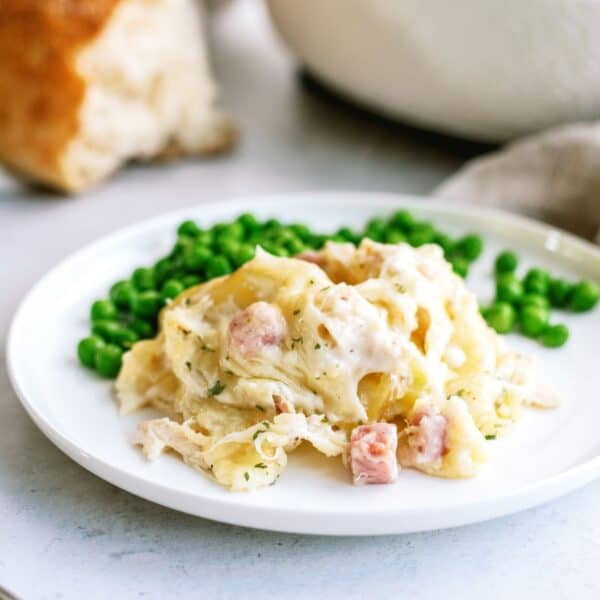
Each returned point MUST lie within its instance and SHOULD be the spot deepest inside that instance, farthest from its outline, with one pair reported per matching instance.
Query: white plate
(547, 454)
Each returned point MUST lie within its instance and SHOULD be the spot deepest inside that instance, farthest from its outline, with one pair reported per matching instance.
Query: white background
(66, 534)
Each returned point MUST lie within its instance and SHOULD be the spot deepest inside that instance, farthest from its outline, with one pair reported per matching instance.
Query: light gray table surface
(66, 534)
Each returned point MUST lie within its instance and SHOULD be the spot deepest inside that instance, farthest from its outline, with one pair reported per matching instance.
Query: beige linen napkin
(553, 176)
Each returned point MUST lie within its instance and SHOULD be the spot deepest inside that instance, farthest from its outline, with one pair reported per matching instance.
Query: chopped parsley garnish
(325, 288)
(257, 433)
(317, 346)
(296, 312)
(261, 408)
(216, 389)
(260, 465)
(246, 476)
(188, 364)
(311, 282)
(203, 345)
(490, 437)
(324, 419)
(400, 288)
(266, 424)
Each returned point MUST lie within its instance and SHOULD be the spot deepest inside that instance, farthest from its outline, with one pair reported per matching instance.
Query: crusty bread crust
(72, 107)
(40, 90)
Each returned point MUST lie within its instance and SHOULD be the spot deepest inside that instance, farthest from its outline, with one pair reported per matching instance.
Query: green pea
(182, 244)
(171, 289)
(347, 234)
(404, 220)
(295, 246)
(249, 223)
(105, 329)
(234, 230)
(143, 279)
(338, 239)
(376, 223)
(143, 328)
(218, 228)
(470, 246)
(506, 262)
(228, 246)
(394, 236)
(537, 281)
(280, 251)
(559, 292)
(196, 257)
(501, 316)
(302, 231)
(445, 241)
(244, 253)
(122, 294)
(555, 336)
(253, 240)
(124, 337)
(421, 234)
(283, 236)
(147, 304)
(584, 296)
(217, 266)
(87, 349)
(178, 274)
(204, 238)
(460, 266)
(534, 320)
(268, 246)
(108, 360)
(509, 288)
(318, 241)
(375, 229)
(162, 269)
(191, 280)
(103, 309)
(534, 300)
(188, 228)
(271, 224)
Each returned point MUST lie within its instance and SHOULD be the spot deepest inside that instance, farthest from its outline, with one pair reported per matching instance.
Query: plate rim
(308, 521)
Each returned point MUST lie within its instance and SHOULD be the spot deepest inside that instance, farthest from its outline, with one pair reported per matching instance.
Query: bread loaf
(87, 85)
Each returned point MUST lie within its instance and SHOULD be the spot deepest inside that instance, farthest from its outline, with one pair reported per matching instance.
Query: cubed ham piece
(372, 454)
(282, 405)
(426, 437)
(312, 256)
(257, 327)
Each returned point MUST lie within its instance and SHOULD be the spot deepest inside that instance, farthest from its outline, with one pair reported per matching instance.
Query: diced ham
(426, 437)
(282, 405)
(312, 256)
(256, 327)
(372, 454)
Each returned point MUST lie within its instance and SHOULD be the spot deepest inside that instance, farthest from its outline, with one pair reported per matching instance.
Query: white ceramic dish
(547, 454)
(492, 71)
